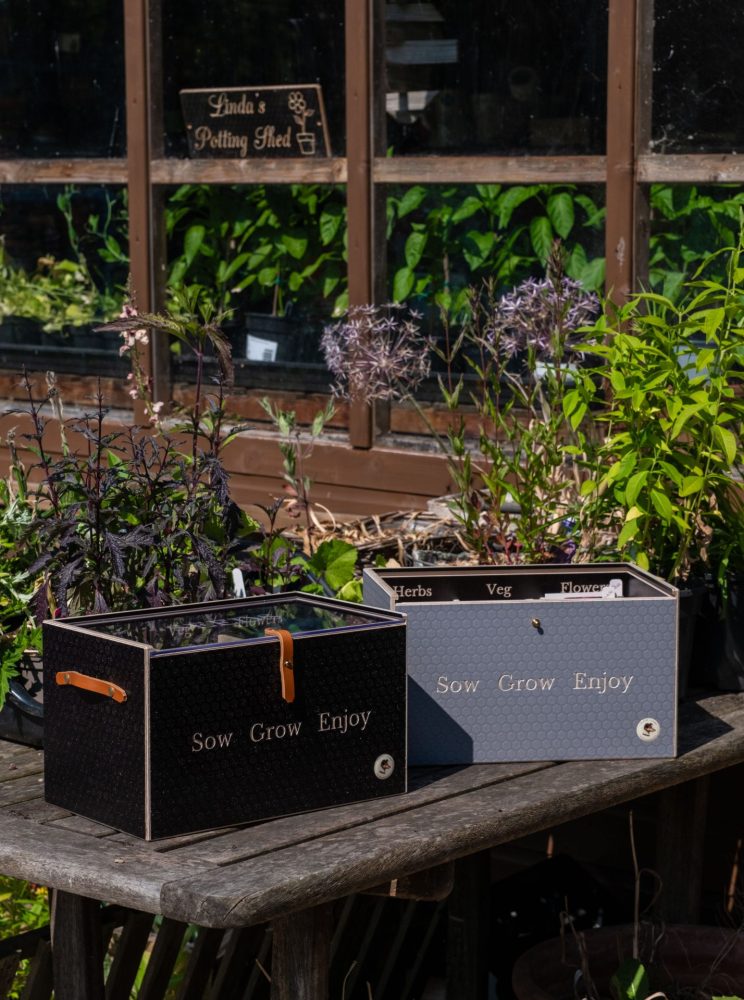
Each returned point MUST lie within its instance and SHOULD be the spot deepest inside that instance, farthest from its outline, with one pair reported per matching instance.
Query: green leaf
(296, 245)
(592, 277)
(541, 237)
(329, 225)
(674, 474)
(267, 276)
(672, 283)
(570, 402)
(641, 559)
(411, 200)
(713, 318)
(415, 245)
(235, 265)
(630, 982)
(351, 591)
(663, 505)
(682, 417)
(484, 242)
(192, 241)
(402, 284)
(468, 207)
(561, 213)
(635, 485)
(335, 561)
(511, 199)
(690, 485)
(578, 415)
(727, 441)
(630, 530)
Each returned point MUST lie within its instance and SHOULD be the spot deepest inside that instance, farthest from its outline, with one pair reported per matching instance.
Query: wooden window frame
(626, 170)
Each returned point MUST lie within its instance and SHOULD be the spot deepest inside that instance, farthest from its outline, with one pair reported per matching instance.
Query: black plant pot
(19, 330)
(268, 338)
(22, 715)
(693, 597)
(719, 643)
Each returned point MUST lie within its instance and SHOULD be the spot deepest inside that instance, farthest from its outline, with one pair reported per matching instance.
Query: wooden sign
(240, 123)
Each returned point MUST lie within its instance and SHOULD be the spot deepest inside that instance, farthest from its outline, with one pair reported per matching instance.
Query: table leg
(468, 929)
(680, 850)
(77, 953)
(301, 955)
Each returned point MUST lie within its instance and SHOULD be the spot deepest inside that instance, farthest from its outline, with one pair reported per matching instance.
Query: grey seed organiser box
(535, 662)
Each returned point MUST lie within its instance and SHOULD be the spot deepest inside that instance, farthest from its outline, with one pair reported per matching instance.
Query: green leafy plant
(668, 466)
(514, 361)
(263, 247)
(23, 907)
(296, 447)
(334, 563)
(686, 221)
(445, 239)
(517, 491)
(19, 632)
(77, 290)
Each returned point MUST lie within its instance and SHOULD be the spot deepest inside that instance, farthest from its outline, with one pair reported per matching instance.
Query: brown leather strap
(286, 661)
(87, 683)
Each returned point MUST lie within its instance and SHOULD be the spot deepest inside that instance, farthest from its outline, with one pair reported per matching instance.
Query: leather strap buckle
(286, 661)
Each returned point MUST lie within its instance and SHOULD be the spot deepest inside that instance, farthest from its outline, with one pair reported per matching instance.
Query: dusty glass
(253, 43)
(697, 89)
(63, 270)
(459, 76)
(273, 257)
(62, 73)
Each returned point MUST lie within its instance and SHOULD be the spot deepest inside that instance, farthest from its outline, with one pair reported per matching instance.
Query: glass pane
(443, 238)
(275, 257)
(62, 74)
(698, 88)
(253, 43)
(63, 268)
(173, 630)
(499, 77)
(688, 223)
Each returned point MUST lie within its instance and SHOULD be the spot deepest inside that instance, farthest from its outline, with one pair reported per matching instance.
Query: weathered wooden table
(289, 870)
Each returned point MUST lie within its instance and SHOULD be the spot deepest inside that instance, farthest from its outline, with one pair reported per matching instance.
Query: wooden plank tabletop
(232, 878)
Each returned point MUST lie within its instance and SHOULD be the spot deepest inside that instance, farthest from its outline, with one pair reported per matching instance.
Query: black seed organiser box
(174, 720)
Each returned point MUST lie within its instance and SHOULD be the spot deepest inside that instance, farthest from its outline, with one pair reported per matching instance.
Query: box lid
(237, 621)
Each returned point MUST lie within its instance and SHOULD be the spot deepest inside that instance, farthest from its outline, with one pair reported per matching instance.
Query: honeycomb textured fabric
(224, 748)
(590, 674)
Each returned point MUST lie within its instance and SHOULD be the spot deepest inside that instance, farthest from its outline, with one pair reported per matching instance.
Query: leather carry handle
(286, 661)
(72, 678)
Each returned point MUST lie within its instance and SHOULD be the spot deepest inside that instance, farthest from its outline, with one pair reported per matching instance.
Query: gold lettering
(205, 138)
(267, 137)
(222, 105)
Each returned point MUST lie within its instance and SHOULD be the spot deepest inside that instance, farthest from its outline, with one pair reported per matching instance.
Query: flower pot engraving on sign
(244, 122)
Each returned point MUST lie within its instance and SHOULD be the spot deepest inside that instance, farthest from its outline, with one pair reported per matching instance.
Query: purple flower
(541, 315)
(376, 352)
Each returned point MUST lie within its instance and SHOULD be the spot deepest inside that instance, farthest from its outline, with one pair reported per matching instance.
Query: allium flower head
(376, 352)
(542, 315)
